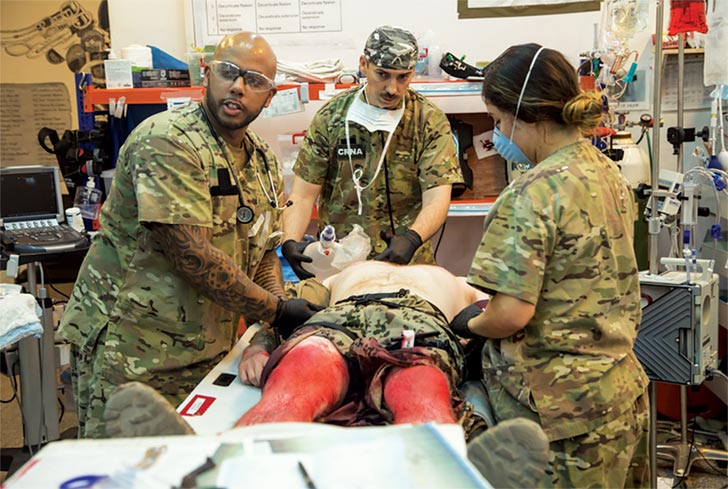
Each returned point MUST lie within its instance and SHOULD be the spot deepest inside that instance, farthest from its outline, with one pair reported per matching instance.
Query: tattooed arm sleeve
(270, 274)
(265, 339)
(213, 272)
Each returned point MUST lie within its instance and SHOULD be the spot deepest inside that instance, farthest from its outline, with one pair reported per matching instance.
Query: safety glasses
(230, 72)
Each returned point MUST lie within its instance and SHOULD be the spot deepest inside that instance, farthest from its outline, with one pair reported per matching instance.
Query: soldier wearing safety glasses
(187, 242)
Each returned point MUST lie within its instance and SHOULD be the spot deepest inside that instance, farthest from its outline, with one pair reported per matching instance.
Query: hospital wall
(169, 25)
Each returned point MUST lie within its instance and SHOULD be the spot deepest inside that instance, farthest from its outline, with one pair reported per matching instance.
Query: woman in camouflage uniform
(557, 255)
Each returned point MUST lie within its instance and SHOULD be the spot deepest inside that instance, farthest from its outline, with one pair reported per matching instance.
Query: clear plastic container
(635, 164)
(289, 145)
(196, 62)
(322, 252)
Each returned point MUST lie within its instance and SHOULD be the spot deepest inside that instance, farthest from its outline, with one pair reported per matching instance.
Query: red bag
(687, 16)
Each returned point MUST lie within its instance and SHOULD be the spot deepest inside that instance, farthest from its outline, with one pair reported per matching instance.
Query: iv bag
(687, 16)
(715, 66)
(626, 17)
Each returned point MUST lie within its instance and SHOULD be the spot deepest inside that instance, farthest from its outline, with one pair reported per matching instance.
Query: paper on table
(263, 471)
(483, 144)
(366, 465)
(285, 102)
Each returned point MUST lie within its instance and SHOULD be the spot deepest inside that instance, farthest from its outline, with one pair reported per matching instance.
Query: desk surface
(47, 256)
(427, 456)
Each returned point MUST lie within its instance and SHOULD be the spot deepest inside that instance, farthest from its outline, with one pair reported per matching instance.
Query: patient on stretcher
(347, 364)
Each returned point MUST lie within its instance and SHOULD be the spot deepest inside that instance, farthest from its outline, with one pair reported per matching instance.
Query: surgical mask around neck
(373, 118)
(509, 150)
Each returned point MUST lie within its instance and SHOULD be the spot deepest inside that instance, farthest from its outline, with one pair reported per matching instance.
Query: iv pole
(653, 225)
(681, 452)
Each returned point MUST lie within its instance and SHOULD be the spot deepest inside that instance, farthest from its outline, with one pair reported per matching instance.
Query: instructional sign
(25, 108)
(223, 17)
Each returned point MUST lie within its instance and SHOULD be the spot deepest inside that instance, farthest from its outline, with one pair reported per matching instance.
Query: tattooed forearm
(270, 275)
(265, 339)
(213, 272)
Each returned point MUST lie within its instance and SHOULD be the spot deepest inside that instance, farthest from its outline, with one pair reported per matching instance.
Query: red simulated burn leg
(418, 394)
(309, 381)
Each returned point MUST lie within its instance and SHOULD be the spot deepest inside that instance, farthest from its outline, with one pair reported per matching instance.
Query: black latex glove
(292, 251)
(292, 313)
(459, 324)
(400, 247)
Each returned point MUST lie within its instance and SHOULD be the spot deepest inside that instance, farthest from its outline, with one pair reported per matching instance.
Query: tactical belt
(362, 299)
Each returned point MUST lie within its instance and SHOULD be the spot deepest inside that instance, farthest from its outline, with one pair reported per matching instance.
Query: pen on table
(306, 477)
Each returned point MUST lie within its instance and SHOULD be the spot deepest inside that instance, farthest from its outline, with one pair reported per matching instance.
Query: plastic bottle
(434, 72)
(423, 60)
(88, 200)
(322, 252)
(634, 164)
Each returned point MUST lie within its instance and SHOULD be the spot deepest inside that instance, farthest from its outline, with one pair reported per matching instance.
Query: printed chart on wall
(499, 8)
(25, 108)
(216, 18)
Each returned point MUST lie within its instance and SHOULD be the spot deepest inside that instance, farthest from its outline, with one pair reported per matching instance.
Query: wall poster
(43, 43)
(471, 9)
(215, 18)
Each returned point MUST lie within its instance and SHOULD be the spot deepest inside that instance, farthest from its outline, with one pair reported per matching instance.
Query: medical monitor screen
(28, 193)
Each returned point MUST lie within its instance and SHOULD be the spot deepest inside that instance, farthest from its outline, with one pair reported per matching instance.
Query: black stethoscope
(244, 213)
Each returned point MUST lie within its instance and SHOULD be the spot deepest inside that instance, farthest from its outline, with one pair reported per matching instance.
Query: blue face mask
(509, 150)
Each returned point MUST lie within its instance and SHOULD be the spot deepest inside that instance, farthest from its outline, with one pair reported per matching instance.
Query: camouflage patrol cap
(393, 48)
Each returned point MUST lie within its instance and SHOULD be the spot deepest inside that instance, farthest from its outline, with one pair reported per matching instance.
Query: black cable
(389, 201)
(717, 470)
(20, 407)
(6, 401)
(59, 292)
(63, 409)
(12, 379)
(587, 61)
(712, 466)
(40, 378)
(439, 238)
(682, 480)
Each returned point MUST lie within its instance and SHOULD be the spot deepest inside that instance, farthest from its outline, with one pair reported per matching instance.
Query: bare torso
(434, 284)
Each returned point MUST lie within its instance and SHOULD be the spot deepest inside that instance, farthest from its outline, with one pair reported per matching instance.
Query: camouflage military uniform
(420, 156)
(560, 237)
(367, 329)
(131, 316)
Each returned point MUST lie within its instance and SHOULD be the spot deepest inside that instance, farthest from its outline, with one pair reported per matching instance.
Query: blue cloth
(19, 315)
(160, 60)
(288, 274)
(20, 332)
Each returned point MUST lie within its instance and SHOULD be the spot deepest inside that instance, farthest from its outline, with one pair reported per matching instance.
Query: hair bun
(583, 111)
